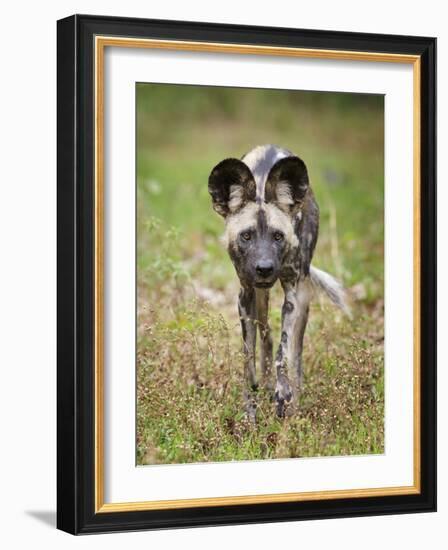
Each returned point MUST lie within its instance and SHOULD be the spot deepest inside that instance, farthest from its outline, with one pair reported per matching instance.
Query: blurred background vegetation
(189, 369)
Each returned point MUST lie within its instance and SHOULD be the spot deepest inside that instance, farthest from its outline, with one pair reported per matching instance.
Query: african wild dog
(272, 222)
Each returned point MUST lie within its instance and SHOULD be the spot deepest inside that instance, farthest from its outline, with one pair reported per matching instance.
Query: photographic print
(260, 274)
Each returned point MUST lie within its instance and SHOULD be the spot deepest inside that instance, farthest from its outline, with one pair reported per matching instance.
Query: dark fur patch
(307, 229)
(279, 356)
(268, 343)
(284, 337)
(262, 223)
(237, 259)
(288, 307)
(234, 252)
(245, 305)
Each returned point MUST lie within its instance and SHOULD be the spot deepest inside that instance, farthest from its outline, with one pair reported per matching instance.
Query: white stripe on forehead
(260, 161)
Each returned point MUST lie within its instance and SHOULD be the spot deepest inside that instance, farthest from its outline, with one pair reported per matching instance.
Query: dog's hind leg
(262, 305)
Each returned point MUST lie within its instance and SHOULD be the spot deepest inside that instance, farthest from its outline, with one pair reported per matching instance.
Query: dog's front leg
(289, 356)
(247, 311)
(262, 301)
(286, 354)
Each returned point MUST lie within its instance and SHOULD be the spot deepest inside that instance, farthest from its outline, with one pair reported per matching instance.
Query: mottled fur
(272, 222)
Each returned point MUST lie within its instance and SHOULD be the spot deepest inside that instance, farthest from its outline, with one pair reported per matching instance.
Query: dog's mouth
(264, 284)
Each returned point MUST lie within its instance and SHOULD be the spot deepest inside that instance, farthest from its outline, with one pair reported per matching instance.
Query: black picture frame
(76, 271)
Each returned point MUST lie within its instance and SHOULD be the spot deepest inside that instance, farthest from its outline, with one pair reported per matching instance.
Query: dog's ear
(287, 184)
(231, 185)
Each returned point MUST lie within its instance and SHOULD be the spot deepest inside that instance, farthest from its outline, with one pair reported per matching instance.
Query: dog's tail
(326, 283)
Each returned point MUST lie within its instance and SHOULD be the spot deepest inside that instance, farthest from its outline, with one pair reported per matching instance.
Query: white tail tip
(335, 291)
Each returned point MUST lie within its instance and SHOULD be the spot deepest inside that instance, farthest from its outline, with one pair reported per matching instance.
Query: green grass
(189, 366)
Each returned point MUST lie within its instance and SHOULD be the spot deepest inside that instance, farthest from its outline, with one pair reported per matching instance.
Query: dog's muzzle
(265, 277)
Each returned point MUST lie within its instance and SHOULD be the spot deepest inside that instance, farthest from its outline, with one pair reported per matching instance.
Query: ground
(189, 367)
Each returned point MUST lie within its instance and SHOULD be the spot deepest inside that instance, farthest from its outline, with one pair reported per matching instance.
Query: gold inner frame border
(101, 42)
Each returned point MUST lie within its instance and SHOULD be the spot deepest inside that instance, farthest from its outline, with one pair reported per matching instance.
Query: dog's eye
(246, 236)
(278, 236)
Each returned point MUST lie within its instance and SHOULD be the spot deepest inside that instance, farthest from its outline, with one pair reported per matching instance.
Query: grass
(189, 367)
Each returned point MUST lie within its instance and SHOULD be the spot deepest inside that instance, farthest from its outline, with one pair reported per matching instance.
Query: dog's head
(262, 214)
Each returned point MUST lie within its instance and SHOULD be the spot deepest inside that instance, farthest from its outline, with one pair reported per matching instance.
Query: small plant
(160, 259)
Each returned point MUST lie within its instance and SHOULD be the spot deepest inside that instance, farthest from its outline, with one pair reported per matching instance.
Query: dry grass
(190, 386)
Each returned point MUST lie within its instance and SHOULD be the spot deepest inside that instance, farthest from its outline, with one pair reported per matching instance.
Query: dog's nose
(264, 268)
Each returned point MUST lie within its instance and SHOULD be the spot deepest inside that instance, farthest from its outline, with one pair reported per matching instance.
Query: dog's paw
(250, 407)
(283, 397)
